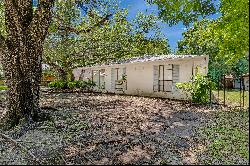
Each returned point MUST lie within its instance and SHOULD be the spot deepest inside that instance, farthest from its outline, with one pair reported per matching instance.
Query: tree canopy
(100, 34)
(225, 39)
(195, 41)
(185, 11)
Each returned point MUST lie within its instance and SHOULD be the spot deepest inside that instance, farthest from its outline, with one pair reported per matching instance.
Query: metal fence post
(224, 89)
(240, 90)
(243, 91)
(210, 91)
(218, 89)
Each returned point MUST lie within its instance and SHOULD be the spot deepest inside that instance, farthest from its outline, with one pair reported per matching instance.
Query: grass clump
(3, 87)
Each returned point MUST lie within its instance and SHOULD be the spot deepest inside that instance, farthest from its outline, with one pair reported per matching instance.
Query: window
(165, 78)
(118, 79)
(98, 76)
(119, 73)
(102, 79)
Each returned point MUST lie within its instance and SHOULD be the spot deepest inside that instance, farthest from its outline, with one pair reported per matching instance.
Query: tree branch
(71, 29)
(13, 24)
(25, 11)
(41, 20)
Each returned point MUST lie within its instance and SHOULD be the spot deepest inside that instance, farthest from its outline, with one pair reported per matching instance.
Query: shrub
(87, 85)
(71, 85)
(198, 87)
(58, 84)
(80, 84)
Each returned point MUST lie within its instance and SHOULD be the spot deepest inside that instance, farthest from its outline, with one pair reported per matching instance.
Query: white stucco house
(145, 76)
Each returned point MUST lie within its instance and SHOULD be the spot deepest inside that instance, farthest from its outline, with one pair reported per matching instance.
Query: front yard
(87, 128)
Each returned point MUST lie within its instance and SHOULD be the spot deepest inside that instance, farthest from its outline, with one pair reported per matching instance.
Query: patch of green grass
(3, 87)
(227, 138)
(232, 97)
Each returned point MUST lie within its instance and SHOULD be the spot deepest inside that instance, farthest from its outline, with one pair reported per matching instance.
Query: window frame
(163, 79)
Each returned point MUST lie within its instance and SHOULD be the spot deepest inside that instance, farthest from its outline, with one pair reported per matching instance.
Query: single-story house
(154, 76)
(245, 81)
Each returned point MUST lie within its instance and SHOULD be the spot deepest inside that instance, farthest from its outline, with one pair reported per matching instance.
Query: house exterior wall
(140, 76)
(139, 79)
(246, 83)
(236, 84)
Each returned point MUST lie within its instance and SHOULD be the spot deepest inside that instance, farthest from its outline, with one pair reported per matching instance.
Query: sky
(173, 33)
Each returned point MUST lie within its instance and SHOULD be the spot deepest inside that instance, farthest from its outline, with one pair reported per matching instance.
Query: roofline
(129, 63)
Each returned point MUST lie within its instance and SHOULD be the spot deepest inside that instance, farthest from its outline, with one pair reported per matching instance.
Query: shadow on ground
(111, 129)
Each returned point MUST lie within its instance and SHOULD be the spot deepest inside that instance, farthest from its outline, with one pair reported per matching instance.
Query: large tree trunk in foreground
(23, 82)
(21, 53)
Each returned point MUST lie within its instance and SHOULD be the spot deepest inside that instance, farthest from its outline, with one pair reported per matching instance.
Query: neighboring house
(145, 76)
(246, 81)
(245, 78)
(229, 81)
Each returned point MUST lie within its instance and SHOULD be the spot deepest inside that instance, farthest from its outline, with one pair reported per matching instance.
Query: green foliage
(58, 84)
(232, 29)
(3, 87)
(124, 76)
(198, 88)
(225, 39)
(173, 11)
(80, 84)
(227, 137)
(72, 85)
(86, 85)
(102, 34)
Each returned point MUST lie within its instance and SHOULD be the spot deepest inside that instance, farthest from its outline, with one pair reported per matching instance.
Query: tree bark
(21, 53)
(23, 81)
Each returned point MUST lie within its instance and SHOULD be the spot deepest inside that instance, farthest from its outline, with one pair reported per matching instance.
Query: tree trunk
(23, 81)
(21, 52)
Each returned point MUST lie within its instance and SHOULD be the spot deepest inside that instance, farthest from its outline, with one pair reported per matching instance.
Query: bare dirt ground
(87, 128)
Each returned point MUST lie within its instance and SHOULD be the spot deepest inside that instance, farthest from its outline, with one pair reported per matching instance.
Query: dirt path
(110, 129)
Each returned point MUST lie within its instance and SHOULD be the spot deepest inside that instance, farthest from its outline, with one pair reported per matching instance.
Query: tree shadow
(120, 129)
(129, 130)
